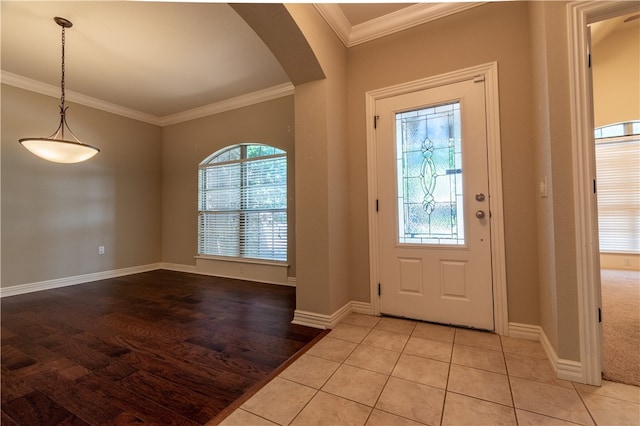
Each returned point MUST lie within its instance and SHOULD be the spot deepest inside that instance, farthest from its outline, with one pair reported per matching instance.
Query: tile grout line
(258, 415)
(336, 370)
(401, 352)
(584, 403)
(305, 405)
(506, 369)
(446, 385)
(319, 389)
(373, 407)
(343, 363)
(389, 378)
(383, 386)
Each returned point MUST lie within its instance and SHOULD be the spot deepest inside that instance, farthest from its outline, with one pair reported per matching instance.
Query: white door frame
(580, 15)
(489, 72)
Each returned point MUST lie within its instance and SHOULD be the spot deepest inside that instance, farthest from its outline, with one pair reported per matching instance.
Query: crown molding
(336, 19)
(405, 18)
(400, 20)
(53, 91)
(215, 108)
(268, 94)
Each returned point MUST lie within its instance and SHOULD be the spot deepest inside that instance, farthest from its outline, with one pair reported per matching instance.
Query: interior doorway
(615, 59)
(580, 15)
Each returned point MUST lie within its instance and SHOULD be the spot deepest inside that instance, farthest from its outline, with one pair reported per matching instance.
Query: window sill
(266, 271)
(243, 260)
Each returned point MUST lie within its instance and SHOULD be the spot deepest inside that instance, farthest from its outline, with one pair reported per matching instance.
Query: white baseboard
(311, 319)
(78, 279)
(341, 314)
(322, 321)
(524, 331)
(86, 278)
(570, 370)
(362, 308)
(565, 369)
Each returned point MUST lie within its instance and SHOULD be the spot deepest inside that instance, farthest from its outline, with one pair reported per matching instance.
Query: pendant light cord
(60, 131)
(63, 110)
(62, 81)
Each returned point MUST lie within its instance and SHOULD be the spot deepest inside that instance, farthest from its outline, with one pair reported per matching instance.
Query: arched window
(242, 203)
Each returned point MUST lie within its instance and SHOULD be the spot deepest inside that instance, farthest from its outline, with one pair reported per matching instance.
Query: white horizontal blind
(618, 191)
(243, 204)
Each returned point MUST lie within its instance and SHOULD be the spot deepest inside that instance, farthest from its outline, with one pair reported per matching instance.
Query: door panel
(434, 215)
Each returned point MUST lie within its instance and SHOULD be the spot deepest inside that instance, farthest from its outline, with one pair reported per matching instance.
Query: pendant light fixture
(55, 147)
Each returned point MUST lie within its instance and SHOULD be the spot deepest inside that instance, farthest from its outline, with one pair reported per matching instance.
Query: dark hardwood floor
(161, 347)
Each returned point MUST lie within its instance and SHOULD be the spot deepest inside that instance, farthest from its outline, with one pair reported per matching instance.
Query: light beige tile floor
(388, 371)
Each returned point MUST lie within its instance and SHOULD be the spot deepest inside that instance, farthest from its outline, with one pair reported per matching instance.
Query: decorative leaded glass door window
(429, 168)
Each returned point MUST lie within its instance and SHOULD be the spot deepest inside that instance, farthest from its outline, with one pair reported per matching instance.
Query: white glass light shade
(58, 150)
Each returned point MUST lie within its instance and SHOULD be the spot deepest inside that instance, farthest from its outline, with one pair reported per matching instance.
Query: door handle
(480, 214)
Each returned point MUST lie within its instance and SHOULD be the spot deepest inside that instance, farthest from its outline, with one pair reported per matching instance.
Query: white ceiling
(160, 62)
(155, 58)
(602, 29)
(165, 62)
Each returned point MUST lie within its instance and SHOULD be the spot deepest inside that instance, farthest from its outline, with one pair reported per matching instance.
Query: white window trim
(243, 260)
(270, 272)
(207, 163)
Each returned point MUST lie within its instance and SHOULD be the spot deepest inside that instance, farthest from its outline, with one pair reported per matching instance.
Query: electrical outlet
(101, 250)
(627, 261)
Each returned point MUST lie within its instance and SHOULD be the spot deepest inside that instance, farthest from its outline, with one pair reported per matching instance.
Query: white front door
(434, 206)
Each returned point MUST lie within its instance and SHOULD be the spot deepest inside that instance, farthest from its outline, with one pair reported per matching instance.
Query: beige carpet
(621, 325)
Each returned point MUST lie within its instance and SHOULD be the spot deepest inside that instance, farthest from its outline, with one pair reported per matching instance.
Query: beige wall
(322, 177)
(492, 32)
(557, 252)
(544, 205)
(55, 216)
(187, 144)
(625, 261)
(616, 77)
